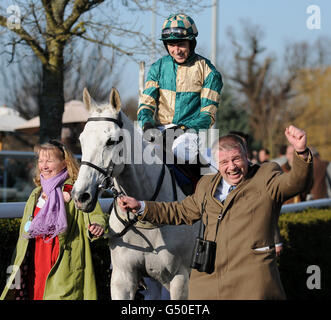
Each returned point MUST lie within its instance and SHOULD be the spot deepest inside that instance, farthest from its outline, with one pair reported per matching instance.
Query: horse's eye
(110, 142)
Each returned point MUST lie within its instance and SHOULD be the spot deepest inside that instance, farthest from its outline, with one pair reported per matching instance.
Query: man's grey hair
(229, 142)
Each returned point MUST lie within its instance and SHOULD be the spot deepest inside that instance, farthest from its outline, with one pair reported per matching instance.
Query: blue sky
(281, 20)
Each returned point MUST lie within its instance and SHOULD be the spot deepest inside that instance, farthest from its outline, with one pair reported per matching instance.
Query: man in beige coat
(245, 265)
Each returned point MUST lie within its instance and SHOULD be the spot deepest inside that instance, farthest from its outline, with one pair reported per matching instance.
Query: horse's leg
(179, 285)
(123, 285)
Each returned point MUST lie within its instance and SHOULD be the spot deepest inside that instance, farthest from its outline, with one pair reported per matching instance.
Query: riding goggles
(174, 33)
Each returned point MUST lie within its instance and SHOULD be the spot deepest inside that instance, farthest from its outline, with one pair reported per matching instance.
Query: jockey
(182, 90)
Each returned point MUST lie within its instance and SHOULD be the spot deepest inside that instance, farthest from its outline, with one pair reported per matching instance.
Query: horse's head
(101, 150)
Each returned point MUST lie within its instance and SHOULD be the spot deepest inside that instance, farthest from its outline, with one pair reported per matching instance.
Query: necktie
(231, 188)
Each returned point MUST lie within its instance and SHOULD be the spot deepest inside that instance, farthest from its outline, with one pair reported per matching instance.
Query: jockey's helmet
(179, 27)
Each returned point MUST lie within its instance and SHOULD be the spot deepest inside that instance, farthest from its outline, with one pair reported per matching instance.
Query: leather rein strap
(130, 222)
(117, 121)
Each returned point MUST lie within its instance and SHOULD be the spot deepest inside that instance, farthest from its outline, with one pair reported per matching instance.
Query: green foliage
(230, 116)
(307, 241)
(9, 230)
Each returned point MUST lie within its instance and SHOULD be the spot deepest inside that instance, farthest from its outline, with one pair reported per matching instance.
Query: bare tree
(130, 108)
(49, 27)
(263, 93)
(94, 71)
(23, 86)
(24, 80)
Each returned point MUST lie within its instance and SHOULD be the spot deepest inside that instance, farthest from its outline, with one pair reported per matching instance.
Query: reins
(130, 222)
(127, 224)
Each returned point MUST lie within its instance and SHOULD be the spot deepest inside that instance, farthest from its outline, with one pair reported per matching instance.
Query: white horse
(162, 252)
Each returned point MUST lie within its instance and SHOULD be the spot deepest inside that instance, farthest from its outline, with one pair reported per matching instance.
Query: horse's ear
(115, 99)
(87, 99)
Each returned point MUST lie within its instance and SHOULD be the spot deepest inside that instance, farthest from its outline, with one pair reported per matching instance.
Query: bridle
(106, 183)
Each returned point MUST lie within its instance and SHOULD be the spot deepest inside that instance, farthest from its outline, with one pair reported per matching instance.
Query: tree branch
(58, 8)
(24, 35)
(80, 7)
(51, 23)
(36, 19)
(109, 45)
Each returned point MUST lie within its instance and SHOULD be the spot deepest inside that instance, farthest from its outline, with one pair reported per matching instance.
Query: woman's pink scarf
(52, 218)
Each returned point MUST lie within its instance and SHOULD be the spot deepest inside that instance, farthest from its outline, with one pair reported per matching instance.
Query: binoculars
(203, 257)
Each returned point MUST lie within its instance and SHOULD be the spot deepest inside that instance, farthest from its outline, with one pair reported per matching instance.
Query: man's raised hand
(297, 138)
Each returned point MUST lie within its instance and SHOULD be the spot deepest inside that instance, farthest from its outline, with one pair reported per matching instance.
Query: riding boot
(193, 171)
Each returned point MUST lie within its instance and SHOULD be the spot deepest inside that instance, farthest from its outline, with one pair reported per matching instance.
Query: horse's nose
(84, 197)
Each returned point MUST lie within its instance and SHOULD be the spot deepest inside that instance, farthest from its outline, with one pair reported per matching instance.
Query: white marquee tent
(74, 111)
(10, 119)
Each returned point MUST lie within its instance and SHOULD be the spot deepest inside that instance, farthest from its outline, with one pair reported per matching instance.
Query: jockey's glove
(151, 133)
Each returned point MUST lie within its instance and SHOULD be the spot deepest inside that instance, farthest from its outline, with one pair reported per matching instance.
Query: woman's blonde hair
(61, 151)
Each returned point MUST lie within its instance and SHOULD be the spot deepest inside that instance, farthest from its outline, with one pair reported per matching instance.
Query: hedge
(306, 241)
(9, 230)
(8, 237)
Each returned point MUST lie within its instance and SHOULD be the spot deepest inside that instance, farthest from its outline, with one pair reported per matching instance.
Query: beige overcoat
(249, 217)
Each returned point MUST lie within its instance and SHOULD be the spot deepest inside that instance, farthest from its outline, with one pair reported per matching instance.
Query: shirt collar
(225, 187)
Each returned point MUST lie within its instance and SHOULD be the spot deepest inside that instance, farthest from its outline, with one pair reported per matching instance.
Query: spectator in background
(281, 158)
(264, 155)
(286, 167)
(254, 157)
(319, 188)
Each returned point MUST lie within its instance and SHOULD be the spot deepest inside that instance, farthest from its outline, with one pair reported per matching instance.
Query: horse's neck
(138, 180)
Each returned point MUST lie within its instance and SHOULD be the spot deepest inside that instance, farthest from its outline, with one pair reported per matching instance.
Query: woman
(53, 259)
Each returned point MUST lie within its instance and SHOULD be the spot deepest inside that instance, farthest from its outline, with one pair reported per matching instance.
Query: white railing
(15, 209)
(300, 206)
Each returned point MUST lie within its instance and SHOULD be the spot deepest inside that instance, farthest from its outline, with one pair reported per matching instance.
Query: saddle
(186, 174)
